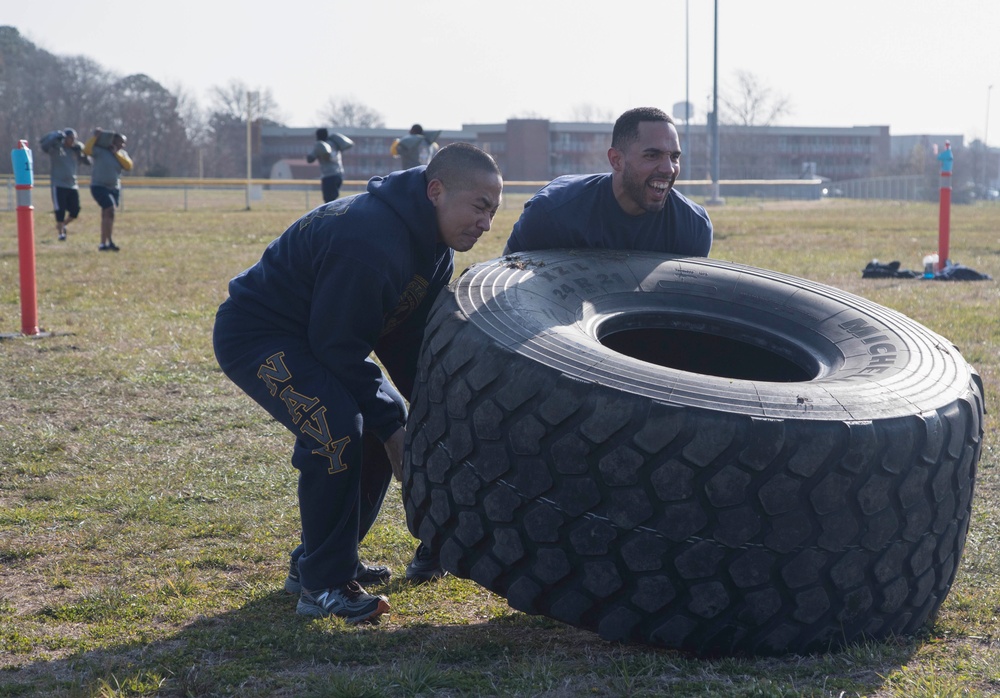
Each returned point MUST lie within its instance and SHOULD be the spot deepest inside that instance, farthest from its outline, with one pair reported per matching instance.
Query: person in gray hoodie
(417, 148)
(65, 153)
(327, 150)
(110, 159)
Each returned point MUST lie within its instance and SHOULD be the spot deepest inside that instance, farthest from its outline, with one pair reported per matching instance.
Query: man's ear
(615, 158)
(434, 190)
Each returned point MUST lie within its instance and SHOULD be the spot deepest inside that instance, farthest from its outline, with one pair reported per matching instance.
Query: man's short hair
(626, 129)
(322, 134)
(453, 164)
(416, 130)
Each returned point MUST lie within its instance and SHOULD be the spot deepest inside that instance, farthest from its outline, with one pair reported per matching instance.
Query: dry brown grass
(146, 506)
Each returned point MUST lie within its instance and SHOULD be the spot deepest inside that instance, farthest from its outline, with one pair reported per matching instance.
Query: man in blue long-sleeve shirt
(634, 207)
(352, 277)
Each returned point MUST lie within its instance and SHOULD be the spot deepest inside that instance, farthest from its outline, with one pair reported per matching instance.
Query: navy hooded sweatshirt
(354, 276)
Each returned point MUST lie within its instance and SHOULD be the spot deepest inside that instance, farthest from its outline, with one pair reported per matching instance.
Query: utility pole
(986, 146)
(715, 199)
(687, 77)
(249, 145)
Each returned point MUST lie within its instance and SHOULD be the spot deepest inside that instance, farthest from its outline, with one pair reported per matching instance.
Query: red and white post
(24, 182)
(944, 214)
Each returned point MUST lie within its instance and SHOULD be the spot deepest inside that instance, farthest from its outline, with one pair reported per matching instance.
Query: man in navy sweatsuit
(352, 277)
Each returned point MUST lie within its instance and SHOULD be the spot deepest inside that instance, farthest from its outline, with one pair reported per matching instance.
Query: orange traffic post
(24, 182)
(947, 159)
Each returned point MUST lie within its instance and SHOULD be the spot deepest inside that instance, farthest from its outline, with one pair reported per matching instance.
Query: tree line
(169, 133)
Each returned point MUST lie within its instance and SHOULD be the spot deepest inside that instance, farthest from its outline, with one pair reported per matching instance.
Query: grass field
(147, 507)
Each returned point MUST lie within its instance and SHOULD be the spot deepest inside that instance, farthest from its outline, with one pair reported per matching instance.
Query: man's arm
(534, 230)
(349, 301)
(340, 141)
(399, 349)
(704, 242)
(81, 156)
(394, 450)
(694, 228)
(123, 159)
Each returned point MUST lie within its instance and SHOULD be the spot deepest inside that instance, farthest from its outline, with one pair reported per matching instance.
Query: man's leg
(60, 213)
(72, 206)
(282, 375)
(107, 199)
(330, 187)
(376, 471)
(335, 183)
(376, 475)
(329, 504)
(107, 225)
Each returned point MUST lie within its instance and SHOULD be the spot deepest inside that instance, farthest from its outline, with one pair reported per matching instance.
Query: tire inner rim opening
(708, 348)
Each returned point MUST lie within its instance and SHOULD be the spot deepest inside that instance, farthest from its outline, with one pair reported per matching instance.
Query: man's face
(644, 173)
(69, 141)
(464, 214)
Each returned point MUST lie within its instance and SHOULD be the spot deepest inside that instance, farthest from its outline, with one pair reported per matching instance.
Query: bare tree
(28, 75)
(529, 114)
(147, 112)
(231, 101)
(752, 103)
(85, 88)
(226, 152)
(348, 113)
(194, 117)
(592, 114)
(168, 134)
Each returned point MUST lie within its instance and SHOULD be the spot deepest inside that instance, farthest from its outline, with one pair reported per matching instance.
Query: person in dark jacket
(353, 277)
(634, 207)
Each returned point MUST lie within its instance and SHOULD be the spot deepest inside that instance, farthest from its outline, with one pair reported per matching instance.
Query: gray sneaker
(350, 602)
(367, 574)
(425, 566)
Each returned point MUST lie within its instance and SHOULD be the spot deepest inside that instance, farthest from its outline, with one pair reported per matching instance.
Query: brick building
(537, 150)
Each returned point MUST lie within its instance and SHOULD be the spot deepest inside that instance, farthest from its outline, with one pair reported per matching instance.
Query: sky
(917, 66)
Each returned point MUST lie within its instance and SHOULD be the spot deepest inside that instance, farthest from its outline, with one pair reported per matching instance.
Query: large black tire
(691, 453)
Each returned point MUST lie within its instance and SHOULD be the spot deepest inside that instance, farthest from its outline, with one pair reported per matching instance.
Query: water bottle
(930, 261)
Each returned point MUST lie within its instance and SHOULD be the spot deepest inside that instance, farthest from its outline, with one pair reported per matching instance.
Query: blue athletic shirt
(353, 276)
(580, 211)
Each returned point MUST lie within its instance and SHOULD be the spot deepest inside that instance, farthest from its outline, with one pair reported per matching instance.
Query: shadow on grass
(263, 648)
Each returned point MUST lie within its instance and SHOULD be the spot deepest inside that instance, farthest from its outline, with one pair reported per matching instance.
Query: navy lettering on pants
(343, 471)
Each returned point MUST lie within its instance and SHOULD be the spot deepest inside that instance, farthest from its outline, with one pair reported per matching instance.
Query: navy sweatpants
(343, 470)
